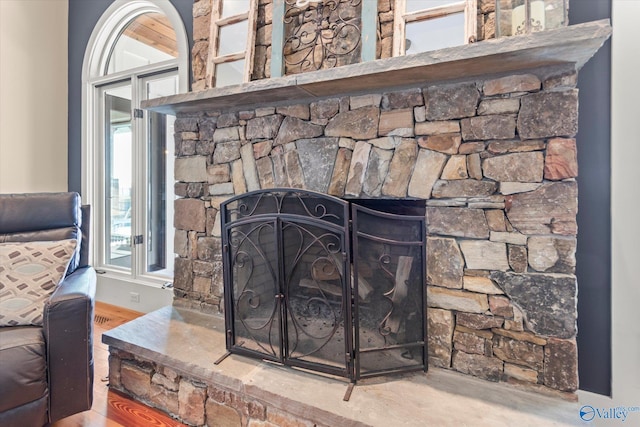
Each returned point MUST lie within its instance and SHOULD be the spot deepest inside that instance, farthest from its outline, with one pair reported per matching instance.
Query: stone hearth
(173, 369)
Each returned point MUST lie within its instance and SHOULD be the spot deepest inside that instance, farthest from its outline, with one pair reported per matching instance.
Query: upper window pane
(233, 7)
(415, 5)
(432, 34)
(233, 38)
(147, 39)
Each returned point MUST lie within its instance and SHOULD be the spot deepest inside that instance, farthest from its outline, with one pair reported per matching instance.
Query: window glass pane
(432, 34)
(415, 5)
(233, 38)
(147, 39)
(160, 188)
(233, 7)
(118, 181)
(229, 73)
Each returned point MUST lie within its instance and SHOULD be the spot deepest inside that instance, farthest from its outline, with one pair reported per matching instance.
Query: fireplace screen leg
(221, 358)
(347, 394)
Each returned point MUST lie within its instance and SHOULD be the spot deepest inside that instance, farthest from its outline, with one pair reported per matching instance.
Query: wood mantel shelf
(573, 45)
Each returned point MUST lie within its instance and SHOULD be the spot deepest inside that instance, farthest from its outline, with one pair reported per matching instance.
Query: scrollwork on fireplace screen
(320, 283)
(321, 35)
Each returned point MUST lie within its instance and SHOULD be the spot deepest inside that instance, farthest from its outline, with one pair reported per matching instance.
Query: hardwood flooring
(112, 409)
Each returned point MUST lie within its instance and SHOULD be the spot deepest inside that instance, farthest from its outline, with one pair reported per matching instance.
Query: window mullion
(138, 174)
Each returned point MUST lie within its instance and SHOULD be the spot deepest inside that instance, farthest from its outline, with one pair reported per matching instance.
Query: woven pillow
(29, 273)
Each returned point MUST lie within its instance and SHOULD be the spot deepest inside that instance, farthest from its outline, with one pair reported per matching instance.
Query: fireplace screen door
(294, 288)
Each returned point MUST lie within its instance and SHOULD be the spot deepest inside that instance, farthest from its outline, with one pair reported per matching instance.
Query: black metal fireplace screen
(320, 283)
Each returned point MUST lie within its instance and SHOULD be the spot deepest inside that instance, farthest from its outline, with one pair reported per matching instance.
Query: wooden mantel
(573, 46)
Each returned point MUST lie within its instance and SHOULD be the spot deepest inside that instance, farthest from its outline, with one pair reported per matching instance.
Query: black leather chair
(46, 373)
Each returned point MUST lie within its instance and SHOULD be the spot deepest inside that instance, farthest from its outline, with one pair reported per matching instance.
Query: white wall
(625, 206)
(33, 95)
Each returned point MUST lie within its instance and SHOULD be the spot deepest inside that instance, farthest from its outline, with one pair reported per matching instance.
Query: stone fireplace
(483, 135)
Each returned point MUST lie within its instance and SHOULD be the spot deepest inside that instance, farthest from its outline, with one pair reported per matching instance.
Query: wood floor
(111, 409)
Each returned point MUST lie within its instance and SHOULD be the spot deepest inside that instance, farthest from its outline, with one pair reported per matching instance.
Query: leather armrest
(68, 332)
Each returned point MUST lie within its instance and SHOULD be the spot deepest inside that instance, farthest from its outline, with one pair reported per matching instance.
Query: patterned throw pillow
(29, 273)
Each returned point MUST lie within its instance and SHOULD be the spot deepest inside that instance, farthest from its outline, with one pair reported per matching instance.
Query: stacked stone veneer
(192, 401)
(495, 160)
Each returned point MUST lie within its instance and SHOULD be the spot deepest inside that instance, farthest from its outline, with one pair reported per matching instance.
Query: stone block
(452, 299)
(377, 169)
(220, 415)
(463, 188)
(468, 342)
(400, 169)
(189, 214)
(456, 168)
(516, 167)
(249, 167)
(183, 274)
(357, 124)
(459, 222)
(444, 143)
(300, 111)
(488, 368)
(521, 373)
(552, 254)
(519, 352)
(264, 127)
(474, 166)
(437, 127)
(521, 336)
(340, 172)
(191, 169)
(264, 168)
(226, 152)
(227, 120)
(180, 243)
(360, 101)
(221, 135)
(324, 109)
(385, 142)
(429, 165)
(549, 114)
(548, 301)
(474, 147)
(136, 378)
(495, 219)
(402, 99)
(185, 124)
(293, 129)
(561, 161)
(488, 127)
(191, 402)
(445, 265)
(539, 211)
(218, 173)
(500, 306)
(440, 325)
(395, 119)
(507, 188)
(561, 365)
(499, 106)
(358, 168)
(445, 102)
(484, 255)
(166, 400)
(237, 177)
(504, 147)
(506, 237)
(510, 84)
(478, 321)
(482, 285)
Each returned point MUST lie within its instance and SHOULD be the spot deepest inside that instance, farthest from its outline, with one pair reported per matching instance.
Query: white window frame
(104, 36)
(217, 22)
(401, 19)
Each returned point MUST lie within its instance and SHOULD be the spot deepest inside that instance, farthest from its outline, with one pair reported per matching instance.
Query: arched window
(138, 51)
